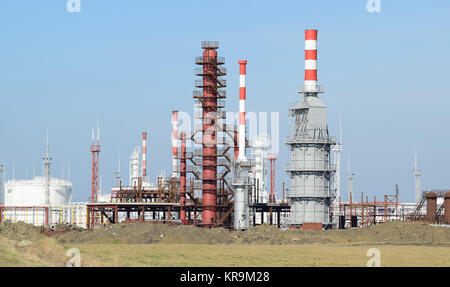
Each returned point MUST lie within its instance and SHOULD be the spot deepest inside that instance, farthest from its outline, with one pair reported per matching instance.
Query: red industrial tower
(211, 84)
(183, 179)
(272, 158)
(95, 150)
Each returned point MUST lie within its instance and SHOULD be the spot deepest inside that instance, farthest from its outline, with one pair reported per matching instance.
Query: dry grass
(36, 254)
(258, 255)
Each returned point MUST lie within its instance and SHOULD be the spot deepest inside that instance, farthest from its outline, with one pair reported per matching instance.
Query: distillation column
(309, 168)
(241, 179)
(211, 85)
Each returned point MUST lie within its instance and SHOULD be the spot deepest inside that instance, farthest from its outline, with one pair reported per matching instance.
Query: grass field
(400, 244)
(258, 255)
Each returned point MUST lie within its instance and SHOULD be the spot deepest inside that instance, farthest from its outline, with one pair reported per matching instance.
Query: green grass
(260, 255)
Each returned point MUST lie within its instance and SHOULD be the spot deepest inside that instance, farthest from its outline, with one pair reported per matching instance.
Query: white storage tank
(32, 192)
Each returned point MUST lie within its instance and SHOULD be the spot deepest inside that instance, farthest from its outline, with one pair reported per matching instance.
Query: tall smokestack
(144, 156)
(311, 61)
(174, 142)
(242, 90)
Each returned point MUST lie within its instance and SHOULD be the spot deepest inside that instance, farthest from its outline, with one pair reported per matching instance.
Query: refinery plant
(222, 178)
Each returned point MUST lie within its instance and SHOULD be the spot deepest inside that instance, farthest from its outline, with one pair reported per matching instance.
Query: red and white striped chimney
(242, 90)
(144, 156)
(310, 60)
(174, 143)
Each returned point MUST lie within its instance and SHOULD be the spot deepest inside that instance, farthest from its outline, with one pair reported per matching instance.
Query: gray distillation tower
(241, 185)
(309, 169)
(241, 165)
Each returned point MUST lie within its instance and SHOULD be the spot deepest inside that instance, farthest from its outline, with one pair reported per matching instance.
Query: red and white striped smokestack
(311, 61)
(174, 143)
(144, 156)
(242, 90)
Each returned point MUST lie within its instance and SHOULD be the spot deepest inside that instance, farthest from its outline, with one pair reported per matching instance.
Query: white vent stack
(144, 156)
(174, 143)
(417, 173)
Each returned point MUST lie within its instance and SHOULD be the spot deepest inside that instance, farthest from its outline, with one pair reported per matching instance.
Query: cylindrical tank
(447, 207)
(32, 192)
(431, 206)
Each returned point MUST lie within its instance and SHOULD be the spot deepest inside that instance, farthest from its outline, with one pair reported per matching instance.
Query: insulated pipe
(183, 179)
(174, 142)
(144, 156)
(242, 90)
(311, 60)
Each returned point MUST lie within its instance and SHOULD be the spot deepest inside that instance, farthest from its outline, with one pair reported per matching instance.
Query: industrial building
(223, 178)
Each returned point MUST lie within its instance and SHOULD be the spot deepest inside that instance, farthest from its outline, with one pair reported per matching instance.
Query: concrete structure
(309, 142)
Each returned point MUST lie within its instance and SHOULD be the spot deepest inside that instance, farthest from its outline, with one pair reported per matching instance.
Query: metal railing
(210, 45)
(221, 71)
(221, 83)
(311, 89)
(310, 166)
(221, 94)
(199, 104)
(309, 139)
(219, 162)
(200, 60)
(212, 115)
(199, 152)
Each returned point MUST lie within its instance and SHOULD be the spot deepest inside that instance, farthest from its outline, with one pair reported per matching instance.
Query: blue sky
(130, 63)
